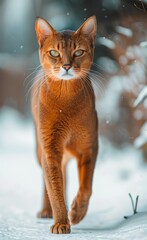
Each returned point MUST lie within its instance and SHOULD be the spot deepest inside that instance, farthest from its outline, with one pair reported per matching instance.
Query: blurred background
(120, 58)
(120, 65)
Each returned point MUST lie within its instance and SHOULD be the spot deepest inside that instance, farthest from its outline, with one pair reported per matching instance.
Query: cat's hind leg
(65, 159)
(46, 211)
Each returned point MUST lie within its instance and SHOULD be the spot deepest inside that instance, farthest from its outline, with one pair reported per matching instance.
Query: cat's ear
(43, 30)
(89, 27)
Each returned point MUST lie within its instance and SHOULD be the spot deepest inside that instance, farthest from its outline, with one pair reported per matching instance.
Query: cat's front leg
(51, 165)
(86, 164)
(54, 183)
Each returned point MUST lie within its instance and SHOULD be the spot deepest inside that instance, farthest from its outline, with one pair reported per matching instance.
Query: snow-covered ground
(117, 173)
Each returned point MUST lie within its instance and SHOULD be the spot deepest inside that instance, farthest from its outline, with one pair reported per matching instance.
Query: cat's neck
(67, 90)
(71, 87)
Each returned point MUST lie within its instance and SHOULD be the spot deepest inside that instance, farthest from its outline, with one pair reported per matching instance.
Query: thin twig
(132, 201)
(136, 204)
(143, 7)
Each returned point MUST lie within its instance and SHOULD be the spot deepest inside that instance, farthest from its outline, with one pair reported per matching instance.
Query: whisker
(32, 80)
(34, 67)
(34, 72)
(82, 85)
(98, 66)
(96, 79)
(86, 82)
(35, 82)
(40, 84)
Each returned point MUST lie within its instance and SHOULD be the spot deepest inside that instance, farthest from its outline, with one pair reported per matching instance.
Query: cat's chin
(63, 75)
(66, 77)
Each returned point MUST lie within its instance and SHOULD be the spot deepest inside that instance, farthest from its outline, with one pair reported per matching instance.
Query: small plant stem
(132, 202)
(136, 204)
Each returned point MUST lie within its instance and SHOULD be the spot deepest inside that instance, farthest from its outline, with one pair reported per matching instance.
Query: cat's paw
(60, 228)
(78, 210)
(45, 213)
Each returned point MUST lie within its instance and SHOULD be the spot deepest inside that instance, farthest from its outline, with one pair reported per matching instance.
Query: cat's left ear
(89, 27)
(43, 30)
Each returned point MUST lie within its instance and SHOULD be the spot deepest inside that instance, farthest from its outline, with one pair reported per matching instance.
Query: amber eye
(78, 53)
(54, 53)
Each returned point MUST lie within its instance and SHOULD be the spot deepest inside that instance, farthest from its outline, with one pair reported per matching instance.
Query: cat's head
(66, 55)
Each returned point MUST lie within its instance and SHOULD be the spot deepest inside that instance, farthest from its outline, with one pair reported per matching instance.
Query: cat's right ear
(43, 30)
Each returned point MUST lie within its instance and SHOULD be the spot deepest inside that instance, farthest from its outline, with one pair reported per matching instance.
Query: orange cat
(63, 105)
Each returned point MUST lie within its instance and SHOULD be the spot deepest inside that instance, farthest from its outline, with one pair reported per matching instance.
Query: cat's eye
(79, 53)
(54, 53)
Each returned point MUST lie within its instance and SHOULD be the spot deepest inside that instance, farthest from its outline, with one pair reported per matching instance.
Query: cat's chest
(62, 107)
(66, 103)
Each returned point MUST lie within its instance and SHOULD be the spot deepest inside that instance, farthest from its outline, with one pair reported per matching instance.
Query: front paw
(45, 213)
(60, 228)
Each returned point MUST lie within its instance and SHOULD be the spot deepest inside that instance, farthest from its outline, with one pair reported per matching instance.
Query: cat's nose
(66, 66)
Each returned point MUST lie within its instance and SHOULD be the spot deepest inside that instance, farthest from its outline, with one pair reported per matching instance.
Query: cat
(66, 122)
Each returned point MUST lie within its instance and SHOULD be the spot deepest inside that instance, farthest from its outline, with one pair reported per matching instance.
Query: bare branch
(141, 8)
(142, 96)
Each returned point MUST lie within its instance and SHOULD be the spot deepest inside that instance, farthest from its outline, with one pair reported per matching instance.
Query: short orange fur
(65, 118)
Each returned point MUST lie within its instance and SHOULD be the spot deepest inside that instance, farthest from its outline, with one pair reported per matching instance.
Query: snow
(132, 80)
(106, 42)
(143, 44)
(125, 31)
(107, 64)
(117, 173)
(110, 101)
(123, 60)
(142, 139)
(141, 97)
(138, 114)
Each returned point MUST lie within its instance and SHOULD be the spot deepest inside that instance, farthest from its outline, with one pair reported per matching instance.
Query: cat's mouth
(66, 75)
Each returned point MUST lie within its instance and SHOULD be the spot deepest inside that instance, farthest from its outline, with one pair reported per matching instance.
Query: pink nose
(66, 66)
